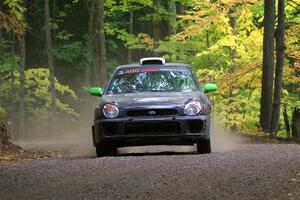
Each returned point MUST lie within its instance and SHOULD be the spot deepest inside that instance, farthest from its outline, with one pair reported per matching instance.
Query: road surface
(254, 171)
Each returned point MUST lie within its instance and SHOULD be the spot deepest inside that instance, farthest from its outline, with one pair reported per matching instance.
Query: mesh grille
(152, 112)
(153, 128)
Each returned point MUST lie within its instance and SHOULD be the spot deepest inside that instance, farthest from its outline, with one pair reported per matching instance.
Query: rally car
(152, 103)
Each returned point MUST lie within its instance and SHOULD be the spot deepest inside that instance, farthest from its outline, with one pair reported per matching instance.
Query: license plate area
(152, 128)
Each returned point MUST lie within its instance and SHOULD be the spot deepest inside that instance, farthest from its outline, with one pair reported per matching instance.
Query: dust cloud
(222, 140)
(70, 135)
(78, 141)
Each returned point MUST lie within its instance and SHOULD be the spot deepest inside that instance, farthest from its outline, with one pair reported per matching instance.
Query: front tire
(105, 150)
(203, 146)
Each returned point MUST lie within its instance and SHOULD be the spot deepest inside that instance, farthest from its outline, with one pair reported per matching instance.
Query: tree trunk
(286, 121)
(129, 52)
(95, 42)
(12, 89)
(99, 72)
(22, 87)
(172, 17)
(103, 58)
(88, 79)
(268, 66)
(21, 125)
(207, 39)
(233, 22)
(296, 123)
(280, 53)
(50, 62)
(54, 31)
(292, 63)
(156, 26)
(93, 39)
(181, 9)
(1, 48)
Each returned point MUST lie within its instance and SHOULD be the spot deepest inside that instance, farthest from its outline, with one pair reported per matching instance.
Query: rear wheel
(203, 146)
(105, 150)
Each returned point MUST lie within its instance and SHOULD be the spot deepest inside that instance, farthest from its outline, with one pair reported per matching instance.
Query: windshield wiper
(154, 91)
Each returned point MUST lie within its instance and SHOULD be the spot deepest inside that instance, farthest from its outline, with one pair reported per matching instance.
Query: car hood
(151, 98)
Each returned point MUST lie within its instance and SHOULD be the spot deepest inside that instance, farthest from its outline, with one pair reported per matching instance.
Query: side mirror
(210, 87)
(96, 91)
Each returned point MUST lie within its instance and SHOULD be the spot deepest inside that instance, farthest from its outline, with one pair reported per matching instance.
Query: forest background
(51, 52)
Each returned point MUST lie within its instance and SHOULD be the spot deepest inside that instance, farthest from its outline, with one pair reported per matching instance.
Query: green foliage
(232, 59)
(15, 8)
(8, 63)
(37, 90)
(38, 99)
(205, 39)
(11, 17)
(69, 52)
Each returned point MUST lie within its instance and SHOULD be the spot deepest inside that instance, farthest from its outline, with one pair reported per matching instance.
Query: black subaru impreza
(152, 103)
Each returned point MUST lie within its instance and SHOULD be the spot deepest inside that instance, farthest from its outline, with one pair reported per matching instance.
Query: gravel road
(255, 171)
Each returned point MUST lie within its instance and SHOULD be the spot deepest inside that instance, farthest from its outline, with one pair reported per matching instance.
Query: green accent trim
(96, 91)
(210, 87)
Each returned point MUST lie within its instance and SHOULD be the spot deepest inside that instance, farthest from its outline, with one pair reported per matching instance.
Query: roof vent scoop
(152, 60)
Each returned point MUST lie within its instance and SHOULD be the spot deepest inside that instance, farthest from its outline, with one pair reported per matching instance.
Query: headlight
(192, 108)
(110, 111)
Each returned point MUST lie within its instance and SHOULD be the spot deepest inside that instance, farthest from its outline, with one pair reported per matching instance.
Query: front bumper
(135, 131)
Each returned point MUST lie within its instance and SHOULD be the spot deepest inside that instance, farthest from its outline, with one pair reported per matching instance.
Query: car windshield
(152, 80)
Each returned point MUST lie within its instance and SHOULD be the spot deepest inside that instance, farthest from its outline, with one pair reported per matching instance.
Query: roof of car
(154, 65)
